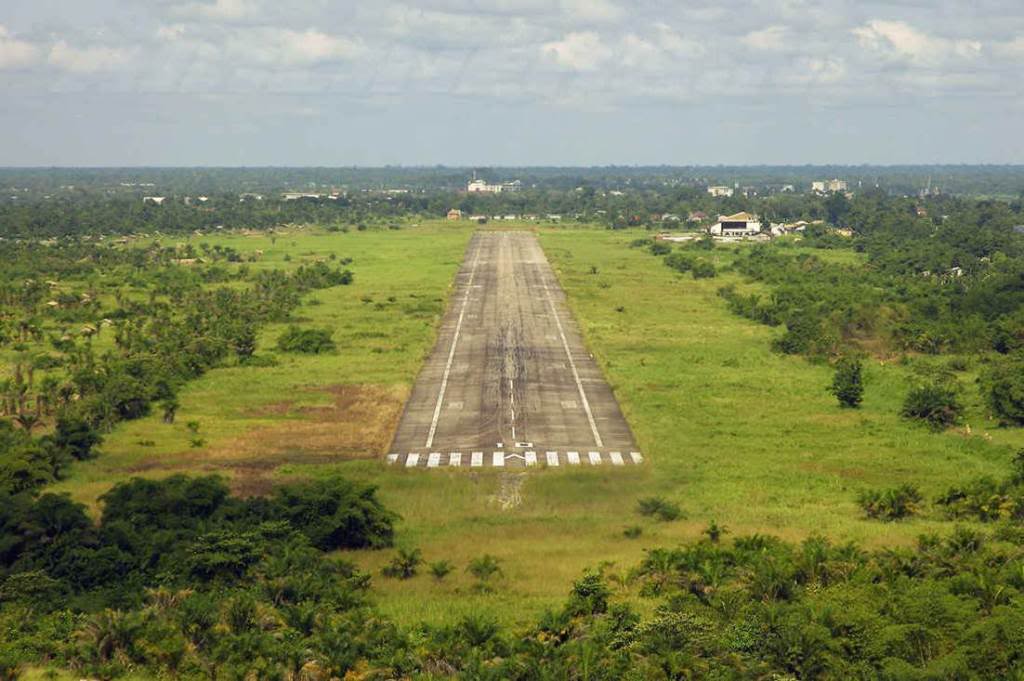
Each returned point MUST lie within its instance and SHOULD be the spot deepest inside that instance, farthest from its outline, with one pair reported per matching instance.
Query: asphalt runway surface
(509, 382)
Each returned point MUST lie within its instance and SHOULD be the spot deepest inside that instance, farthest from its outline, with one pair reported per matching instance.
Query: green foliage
(1003, 389)
(307, 341)
(659, 248)
(440, 569)
(658, 508)
(891, 504)
(404, 565)
(848, 383)
(485, 569)
(935, 403)
(336, 514)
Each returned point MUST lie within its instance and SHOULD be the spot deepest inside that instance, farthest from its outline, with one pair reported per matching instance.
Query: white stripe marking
(573, 457)
(455, 459)
(552, 458)
(392, 458)
(412, 460)
(595, 458)
(616, 458)
(637, 457)
(498, 459)
(531, 458)
(434, 460)
(451, 352)
(477, 459)
(575, 373)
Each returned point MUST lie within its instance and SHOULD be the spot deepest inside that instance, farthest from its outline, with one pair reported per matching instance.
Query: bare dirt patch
(357, 424)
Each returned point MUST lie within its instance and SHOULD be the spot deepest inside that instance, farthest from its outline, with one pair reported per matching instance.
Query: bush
(77, 437)
(658, 508)
(336, 514)
(306, 341)
(660, 248)
(891, 504)
(485, 568)
(848, 384)
(441, 569)
(934, 403)
(703, 269)
(1003, 389)
(404, 565)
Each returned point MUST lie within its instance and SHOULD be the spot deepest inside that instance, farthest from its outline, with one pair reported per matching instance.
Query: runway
(509, 382)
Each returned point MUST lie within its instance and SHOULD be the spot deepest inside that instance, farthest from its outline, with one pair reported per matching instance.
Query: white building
(828, 186)
(157, 200)
(720, 191)
(740, 224)
(476, 186)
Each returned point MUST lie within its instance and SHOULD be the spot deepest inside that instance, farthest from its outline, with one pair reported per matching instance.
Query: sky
(510, 82)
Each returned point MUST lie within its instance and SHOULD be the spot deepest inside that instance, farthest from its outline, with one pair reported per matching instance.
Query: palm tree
(27, 421)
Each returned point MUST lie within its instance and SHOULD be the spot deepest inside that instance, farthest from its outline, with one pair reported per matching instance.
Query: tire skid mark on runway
(451, 353)
(575, 372)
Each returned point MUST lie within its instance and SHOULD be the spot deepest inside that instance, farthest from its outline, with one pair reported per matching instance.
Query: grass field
(733, 432)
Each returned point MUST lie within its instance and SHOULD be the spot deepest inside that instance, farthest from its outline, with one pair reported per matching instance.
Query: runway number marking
(575, 372)
(498, 459)
(616, 458)
(595, 458)
(552, 458)
(477, 459)
(412, 460)
(451, 352)
(531, 458)
(636, 456)
(455, 459)
(434, 460)
(573, 458)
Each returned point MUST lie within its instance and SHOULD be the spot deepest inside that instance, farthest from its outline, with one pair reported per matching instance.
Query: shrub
(306, 341)
(484, 569)
(660, 248)
(632, 532)
(934, 403)
(848, 384)
(441, 569)
(404, 565)
(703, 269)
(336, 514)
(77, 437)
(891, 504)
(658, 508)
(1003, 389)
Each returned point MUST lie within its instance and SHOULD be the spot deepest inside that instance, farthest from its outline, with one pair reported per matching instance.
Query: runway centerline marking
(575, 372)
(451, 353)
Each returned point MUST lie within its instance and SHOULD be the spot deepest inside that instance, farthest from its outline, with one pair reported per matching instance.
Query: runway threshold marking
(575, 372)
(451, 352)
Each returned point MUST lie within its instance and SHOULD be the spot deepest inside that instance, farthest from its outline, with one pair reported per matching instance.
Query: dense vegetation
(177, 578)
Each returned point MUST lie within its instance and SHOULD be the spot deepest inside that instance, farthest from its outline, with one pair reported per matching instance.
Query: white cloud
(170, 33)
(219, 10)
(14, 53)
(825, 70)
(285, 47)
(770, 39)
(592, 10)
(86, 59)
(578, 51)
(899, 40)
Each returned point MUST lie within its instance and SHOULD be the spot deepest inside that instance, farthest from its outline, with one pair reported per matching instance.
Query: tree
(76, 437)
(848, 384)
